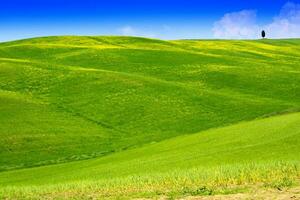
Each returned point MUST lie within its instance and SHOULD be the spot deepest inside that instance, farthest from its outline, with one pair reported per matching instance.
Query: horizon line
(153, 38)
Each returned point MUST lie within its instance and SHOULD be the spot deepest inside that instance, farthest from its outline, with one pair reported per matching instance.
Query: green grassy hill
(263, 151)
(73, 98)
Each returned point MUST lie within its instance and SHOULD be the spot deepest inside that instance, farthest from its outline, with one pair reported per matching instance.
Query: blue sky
(166, 19)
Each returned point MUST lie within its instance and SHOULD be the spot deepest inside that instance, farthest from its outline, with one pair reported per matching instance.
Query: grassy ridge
(262, 151)
(107, 94)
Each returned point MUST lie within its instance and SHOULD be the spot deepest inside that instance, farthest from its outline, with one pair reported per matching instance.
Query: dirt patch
(270, 194)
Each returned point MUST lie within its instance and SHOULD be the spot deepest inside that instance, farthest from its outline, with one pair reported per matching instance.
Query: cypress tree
(263, 34)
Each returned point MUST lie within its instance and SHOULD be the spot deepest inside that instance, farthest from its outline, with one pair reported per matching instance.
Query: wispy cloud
(243, 25)
(127, 30)
(133, 31)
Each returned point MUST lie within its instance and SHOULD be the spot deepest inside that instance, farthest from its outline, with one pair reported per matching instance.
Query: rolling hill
(125, 105)
(261, 151)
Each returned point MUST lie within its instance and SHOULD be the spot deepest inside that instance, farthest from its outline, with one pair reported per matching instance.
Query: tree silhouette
(263, 34)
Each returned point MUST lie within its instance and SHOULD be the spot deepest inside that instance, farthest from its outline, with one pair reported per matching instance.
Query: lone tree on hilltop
(263, 34)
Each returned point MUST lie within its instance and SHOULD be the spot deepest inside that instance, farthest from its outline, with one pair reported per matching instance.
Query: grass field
(264, 152)
(144, 117)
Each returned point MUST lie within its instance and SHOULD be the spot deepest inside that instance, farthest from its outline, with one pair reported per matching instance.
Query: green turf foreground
(263, 152)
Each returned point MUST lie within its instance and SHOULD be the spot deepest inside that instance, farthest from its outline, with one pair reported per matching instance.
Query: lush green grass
(265, 151)
(71, 98)
(145, 116)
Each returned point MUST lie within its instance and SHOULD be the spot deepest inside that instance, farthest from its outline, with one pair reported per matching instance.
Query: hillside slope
(261, 151)
(71, 98)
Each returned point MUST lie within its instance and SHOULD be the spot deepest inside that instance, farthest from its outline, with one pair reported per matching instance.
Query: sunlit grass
(141, 117)
(261, 153)
(177, 183)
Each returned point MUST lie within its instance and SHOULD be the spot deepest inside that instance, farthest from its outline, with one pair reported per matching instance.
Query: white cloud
(127, 30)
(242, 25)
(237, 25)
(286, 24)
(132, 31)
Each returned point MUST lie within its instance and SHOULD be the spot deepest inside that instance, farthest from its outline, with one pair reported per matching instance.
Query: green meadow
(127, 117)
